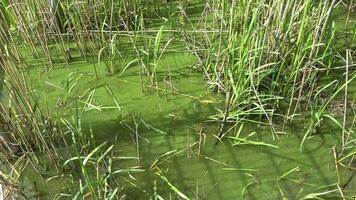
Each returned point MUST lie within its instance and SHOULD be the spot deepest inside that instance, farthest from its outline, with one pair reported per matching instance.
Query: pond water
(177, 136)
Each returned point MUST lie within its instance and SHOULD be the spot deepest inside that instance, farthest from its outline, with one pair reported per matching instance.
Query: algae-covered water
(166, 130)
(176, 137)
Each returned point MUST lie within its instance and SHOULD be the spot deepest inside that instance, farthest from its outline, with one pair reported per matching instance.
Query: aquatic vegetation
(270, 53)
(109, 97)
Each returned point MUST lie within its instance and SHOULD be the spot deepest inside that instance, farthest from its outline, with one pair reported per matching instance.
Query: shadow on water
(171, 120)
(170, 128)
(190, 172)
(171, 123)
(155, 143)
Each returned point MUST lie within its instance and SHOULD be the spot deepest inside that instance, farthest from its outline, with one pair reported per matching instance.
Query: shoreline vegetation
(213, 74)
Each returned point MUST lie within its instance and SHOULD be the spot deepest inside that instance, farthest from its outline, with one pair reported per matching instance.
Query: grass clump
(272, 61)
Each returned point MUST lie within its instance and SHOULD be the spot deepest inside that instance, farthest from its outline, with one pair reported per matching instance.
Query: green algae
(172, 122)
(174, 117)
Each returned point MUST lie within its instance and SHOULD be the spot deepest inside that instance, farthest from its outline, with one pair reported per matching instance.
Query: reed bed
(267, 58)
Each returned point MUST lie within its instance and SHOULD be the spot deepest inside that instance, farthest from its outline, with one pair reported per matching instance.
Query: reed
(266, 58)
(266, 53)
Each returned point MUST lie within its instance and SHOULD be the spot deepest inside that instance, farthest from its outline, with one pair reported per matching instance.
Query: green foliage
(268, 58)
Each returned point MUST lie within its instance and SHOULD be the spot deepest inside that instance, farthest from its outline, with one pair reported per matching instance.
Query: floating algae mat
(177, 100)
(175, 149)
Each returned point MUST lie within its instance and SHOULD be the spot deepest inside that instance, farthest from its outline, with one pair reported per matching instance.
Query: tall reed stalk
(267, 53)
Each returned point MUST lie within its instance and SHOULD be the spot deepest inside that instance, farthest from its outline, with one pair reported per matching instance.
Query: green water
(177, 136)
(178, 118)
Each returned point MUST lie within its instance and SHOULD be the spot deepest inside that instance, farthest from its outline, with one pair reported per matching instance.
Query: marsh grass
(96, 175)
(266, 57)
